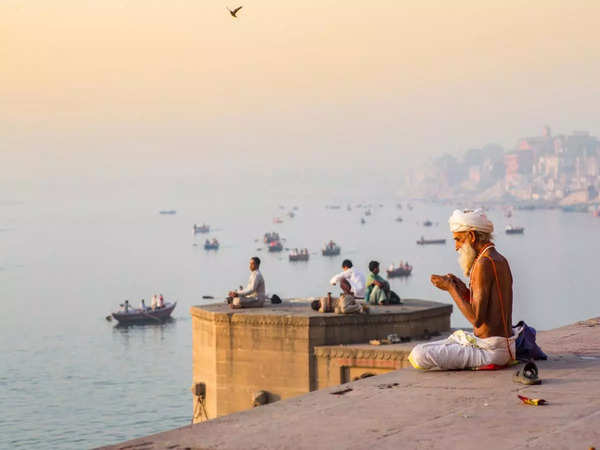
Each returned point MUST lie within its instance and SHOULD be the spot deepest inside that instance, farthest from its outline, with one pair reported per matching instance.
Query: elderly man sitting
(486, 303)
(253, 296)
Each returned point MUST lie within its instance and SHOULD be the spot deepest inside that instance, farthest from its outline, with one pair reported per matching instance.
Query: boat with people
(509, 229)
(427, 223)
(403, 270)
(299, 255)
(212, 244)
(275, 246)
(201, 229)
(271, 237)
(331, 249)
(128, 315)
(424, 241)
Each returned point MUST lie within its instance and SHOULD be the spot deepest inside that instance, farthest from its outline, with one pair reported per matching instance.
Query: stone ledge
(298, 313)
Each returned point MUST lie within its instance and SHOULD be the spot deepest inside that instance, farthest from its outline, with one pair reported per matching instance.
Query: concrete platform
(240, 353)
(428, 410)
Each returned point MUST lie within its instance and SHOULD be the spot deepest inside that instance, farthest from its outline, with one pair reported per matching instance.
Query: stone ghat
(238, 353)
(433, 410)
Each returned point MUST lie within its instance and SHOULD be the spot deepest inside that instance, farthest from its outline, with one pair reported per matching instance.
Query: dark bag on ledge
(526, 346)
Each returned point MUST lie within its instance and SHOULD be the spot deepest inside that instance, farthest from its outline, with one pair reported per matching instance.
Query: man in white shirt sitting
(253, 296)
(351, 281)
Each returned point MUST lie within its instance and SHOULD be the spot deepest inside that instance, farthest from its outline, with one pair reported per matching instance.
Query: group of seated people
(486, 302)
(296, 252)
(156, 302)
(403, 265)
(212, 242)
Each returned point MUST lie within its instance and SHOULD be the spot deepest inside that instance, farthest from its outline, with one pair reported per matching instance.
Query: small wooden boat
(427, 223)
(299, 257)
(424, 241)
(275, 246)
(134, 315)
(214, 245)
(331, 250)
(201, 229)
(399, 219)
(167, 211)
(271, 237)
(514, 230)
(362, 221)
(399, 272)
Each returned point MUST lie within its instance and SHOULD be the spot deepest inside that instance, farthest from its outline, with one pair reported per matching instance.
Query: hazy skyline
(131, 86)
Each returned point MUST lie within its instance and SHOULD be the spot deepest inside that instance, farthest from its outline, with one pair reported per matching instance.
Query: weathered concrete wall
(240, 352)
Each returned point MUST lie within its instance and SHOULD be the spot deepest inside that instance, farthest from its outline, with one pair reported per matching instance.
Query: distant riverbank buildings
(561, 169)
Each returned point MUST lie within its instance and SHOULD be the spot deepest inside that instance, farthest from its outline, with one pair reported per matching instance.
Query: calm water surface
(70, 379)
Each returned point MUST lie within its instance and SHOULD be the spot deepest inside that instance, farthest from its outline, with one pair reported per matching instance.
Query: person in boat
(378, 289)
(161, 301)
(391, 268)
(143, 305)
(154, 302)
(486, 303)
(125, 306)
(351, 281)
(253, 296)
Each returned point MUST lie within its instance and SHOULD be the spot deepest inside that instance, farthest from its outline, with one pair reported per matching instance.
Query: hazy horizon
(125, 88)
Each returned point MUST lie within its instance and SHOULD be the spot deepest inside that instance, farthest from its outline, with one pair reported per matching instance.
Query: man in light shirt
(351, 281)
(253, 296)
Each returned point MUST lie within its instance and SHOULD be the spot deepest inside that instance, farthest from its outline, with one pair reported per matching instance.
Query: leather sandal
(528, 374)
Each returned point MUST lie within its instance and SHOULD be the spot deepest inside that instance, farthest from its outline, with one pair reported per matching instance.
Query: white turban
(469, 220)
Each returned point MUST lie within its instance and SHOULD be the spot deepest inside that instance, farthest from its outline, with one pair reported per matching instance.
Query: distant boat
(275, 246)
(331, 249)
(399, 272)
(211, 245)
(368, 212)
(271, 237)
(135, 315)
(168, 211)
(201, 229)
(424, 241)
(362, 221)
(514, 230)
(291, 215)
(399, 219)
(277, 220)
(299, 256)
(427, 223)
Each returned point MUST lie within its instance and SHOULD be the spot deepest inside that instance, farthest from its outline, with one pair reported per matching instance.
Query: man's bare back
(484, 305)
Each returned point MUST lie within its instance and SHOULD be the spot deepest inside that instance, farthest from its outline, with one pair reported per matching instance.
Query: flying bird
(234, 11)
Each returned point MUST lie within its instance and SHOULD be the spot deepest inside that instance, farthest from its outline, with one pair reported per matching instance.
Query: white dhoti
(463, 350)
(248, 302)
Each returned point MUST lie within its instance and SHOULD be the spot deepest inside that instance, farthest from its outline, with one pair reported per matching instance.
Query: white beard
(466, 257)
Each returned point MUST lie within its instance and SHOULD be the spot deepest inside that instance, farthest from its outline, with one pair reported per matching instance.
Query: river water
(70, 379)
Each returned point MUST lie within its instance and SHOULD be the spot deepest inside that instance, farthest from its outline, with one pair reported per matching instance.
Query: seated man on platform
(486, 303)
(253, 296)
(378, 290)
(351, 281)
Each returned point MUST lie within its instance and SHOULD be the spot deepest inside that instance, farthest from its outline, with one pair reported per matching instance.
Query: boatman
(253, 296)
(486, 303)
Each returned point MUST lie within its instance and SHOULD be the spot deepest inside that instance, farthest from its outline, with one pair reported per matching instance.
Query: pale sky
(115, 86)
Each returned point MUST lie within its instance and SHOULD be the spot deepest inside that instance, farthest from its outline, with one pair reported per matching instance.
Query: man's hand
(457, 281)
(232, 294)
(442, 282)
